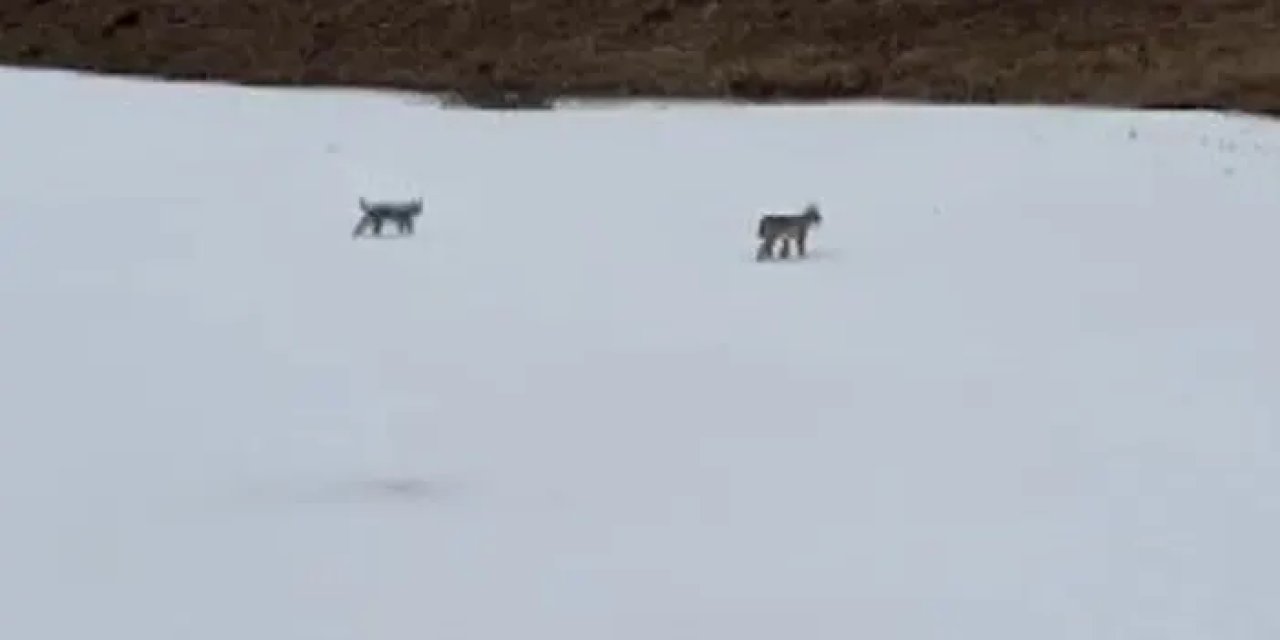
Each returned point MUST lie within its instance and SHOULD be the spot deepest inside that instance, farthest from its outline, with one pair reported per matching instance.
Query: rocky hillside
(1133, 52)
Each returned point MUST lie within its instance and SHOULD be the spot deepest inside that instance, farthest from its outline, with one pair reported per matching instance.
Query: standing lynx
(786, 228)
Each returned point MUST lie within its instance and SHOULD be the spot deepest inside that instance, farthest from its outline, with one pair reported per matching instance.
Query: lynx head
(811, 214)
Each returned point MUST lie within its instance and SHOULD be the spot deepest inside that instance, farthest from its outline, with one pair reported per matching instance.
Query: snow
(1024, 386)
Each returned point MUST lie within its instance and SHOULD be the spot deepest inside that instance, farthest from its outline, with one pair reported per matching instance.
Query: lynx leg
(786, 248)
(360, 226)
(765, 250)
(800, 242)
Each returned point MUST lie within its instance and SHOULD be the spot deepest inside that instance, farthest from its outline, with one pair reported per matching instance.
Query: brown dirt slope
(1223, 53)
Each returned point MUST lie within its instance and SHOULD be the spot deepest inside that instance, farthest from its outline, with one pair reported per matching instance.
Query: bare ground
(1215, 53)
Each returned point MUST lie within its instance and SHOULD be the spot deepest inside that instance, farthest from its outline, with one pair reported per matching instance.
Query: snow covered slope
(1024, 387)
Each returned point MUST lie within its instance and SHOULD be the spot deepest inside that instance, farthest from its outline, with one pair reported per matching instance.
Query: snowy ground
(1024, 388)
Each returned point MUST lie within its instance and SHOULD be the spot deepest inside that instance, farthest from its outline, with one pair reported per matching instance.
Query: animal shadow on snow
(813, 255)
(379, 491)
(404, 490)
(390, 237)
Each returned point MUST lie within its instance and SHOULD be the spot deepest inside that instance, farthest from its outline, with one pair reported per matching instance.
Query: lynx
(375, 214)
(786, 228)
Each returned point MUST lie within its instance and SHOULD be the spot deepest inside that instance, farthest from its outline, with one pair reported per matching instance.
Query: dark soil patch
(513, 53)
